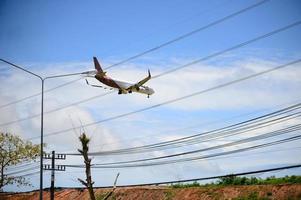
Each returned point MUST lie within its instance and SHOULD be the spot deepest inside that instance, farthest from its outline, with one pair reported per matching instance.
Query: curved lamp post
(42, 111)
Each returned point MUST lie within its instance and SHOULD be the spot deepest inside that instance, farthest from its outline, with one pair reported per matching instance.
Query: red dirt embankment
(285, 191)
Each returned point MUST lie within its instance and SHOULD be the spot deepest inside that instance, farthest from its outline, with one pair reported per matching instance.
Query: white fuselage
(123, 86)
(142, 89)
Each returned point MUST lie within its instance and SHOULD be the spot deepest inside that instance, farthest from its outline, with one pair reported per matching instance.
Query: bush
(236, 180)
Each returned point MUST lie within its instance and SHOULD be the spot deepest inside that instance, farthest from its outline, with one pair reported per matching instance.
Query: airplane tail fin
(97, 65)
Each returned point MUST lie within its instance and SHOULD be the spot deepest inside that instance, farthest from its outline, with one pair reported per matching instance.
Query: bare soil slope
(285, 191)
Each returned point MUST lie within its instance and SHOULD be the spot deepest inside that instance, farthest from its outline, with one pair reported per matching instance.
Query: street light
(42, 111)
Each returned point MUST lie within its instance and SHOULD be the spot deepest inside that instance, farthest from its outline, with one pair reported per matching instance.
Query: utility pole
(54, 168)
(52, 177)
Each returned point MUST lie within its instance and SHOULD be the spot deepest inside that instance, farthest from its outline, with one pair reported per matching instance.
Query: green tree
(14, 150)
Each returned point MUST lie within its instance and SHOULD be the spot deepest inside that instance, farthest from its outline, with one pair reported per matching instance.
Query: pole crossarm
(56, 156)
(56, 167)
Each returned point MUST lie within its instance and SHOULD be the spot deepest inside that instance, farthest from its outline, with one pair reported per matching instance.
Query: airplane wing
(140, 83)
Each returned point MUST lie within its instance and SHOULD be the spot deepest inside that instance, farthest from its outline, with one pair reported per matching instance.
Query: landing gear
(130, 91)
(148, 96)
(119, 92)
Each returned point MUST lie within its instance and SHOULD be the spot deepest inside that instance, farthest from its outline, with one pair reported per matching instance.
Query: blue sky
(55, 31)
(57, 37)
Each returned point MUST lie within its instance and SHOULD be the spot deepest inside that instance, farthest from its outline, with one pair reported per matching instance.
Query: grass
(103, 195)
(251, 196)
(168, 195)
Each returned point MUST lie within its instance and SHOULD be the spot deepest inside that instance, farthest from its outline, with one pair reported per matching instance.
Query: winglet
(97, 65)
(149, 74)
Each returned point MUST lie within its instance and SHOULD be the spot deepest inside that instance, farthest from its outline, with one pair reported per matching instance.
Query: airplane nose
(151, 91)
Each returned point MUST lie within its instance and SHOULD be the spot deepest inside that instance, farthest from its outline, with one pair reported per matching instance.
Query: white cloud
(265, 91)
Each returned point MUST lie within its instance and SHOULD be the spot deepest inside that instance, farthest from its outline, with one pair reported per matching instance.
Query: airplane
(122, 87)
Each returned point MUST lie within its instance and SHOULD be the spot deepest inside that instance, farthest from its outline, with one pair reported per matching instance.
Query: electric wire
(176, 99)
(241, 127)
(213, 177)
(154, 48)
(190, 33)
(221, 146)
(138, 55)
(230, 49)
(177, 68)
(147, 164)
(260, 171)
(55, 109)
(257, 153)
(191, 126)
(199, 140)
(37, 94)
(235, 129)
(94, 97)
(32, 174)
(230, 156)
(21, 171)
(21, 166)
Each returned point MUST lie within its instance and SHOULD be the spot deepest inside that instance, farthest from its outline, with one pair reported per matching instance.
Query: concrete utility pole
(54, 168)
(52, 177)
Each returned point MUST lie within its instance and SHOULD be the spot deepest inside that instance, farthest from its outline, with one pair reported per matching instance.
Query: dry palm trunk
(88, 183)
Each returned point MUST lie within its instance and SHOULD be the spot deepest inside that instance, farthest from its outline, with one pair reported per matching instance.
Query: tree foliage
(14, 150)
(235, 180)
(242, 180)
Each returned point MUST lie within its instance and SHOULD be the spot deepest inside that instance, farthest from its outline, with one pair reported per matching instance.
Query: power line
(191, 33)
(189, 127)
(281, 141)
(254, 122)
(236, 156)
(32, 174)
(55, 110)
(234, 129)
(21, 165)
(231, 48)
(37, 94)
(21, 171)
(230, 144)
(212, 177)
(151, 49)
(260, 152)
(184, 143)
(293, 166)
(174, 69)
(176, 99)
